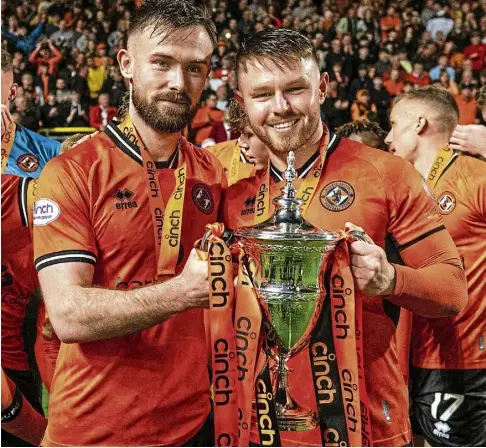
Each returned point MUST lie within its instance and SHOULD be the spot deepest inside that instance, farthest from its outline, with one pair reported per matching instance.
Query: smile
(284, 125)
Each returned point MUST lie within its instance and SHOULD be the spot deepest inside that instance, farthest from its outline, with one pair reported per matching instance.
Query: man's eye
(194, 69)
(261, 95)
(295, 90)
(162, 63)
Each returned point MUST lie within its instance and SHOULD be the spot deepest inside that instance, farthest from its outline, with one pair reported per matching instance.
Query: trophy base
(296, 419)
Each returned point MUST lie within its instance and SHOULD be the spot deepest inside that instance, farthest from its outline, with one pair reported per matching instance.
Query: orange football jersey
(225, 152)
(384, 195)
(19, 279)
(459, 342)
(151, 387)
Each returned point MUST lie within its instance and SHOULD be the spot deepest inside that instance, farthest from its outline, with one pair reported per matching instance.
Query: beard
(164, 117)
(293, 141)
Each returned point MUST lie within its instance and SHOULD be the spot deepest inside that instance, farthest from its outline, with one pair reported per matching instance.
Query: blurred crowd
(64, 56)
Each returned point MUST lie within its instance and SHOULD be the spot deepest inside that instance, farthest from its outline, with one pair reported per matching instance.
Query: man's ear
(125, 63)
(239, 99)
(13, 91)
(421, 125)
(323, 83)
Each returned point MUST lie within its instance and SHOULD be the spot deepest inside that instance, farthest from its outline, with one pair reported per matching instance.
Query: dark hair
(166, 16)
(7, 65)
(440, 100)
(283, 47)
(361, 127)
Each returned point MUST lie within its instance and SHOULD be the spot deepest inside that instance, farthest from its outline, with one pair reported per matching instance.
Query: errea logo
(45, 211)
(124, 197)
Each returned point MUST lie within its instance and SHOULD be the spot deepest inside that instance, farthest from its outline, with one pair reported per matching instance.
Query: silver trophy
(285, 254)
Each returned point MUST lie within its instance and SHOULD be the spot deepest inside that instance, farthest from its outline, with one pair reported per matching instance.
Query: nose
(388, 139)
(281, 105)
(176, 79)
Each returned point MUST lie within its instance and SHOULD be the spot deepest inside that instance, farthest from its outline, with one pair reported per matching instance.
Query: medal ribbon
(166, 221)
(306, 191)
(234, 171)
(441, 162)
(7, 144)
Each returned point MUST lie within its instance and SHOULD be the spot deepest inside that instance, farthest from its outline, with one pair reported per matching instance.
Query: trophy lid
(287, 223)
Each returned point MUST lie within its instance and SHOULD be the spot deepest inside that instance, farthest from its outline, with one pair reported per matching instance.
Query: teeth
(285, 125)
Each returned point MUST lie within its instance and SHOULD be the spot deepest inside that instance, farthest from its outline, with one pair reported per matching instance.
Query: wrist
(392, 279)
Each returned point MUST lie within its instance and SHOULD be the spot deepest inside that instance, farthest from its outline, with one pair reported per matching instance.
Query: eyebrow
(265, 87)
(166, 56)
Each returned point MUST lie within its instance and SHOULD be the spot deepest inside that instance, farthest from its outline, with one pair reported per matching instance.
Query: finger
(350, 226)
(456, 139)
(361, 248)
(362, 274)
(456, 147)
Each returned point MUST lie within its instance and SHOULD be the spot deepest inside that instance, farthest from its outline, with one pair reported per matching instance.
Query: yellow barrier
(82, 130)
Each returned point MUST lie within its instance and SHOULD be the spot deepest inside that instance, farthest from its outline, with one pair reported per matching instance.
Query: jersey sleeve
(63, 230)
(432, 278)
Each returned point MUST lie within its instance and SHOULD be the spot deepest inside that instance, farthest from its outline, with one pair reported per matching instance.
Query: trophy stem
(290, 415)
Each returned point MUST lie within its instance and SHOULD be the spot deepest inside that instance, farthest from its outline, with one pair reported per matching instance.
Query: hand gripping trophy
(281, 291)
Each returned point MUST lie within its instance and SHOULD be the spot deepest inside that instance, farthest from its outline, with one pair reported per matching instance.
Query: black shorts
(449, 406)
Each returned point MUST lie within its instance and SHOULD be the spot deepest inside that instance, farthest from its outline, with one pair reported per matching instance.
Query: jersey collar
(278, 176)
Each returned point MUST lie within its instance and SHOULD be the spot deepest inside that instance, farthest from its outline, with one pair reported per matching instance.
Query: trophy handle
(361, 235)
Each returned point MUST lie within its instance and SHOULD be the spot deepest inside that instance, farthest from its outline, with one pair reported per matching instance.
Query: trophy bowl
(284, 259)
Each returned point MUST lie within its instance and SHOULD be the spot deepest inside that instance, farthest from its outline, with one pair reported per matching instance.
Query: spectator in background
(102, 113)
(394, 85)
(46, 52)
(382, 99)
(95, 79)
(206, 116)
(114, 86)
(467, 104)
(78, 114)
(63, 94)
(363, 108)
(362, 82)
(50, 113)
(446, 83)
(476, 52)
(418, 76)
(26, 116)
(443, 64)
(64, 38)
(222, 131)
(383, 65)
(222, 99)
(79, 83)
(24, 41)
(441, 23)
(335, 109)
(44, 80)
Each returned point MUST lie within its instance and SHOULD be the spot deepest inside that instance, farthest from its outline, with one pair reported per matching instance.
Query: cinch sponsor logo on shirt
(45, 211)
(124, 199)
(338, 298)
(260, 199)
(263, 408)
